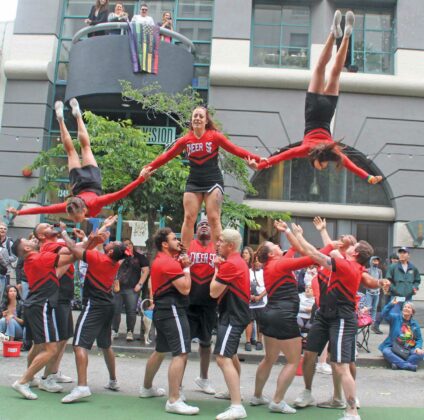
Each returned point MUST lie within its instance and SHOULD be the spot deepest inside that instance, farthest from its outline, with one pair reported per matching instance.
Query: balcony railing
(97, 65)
(101, 27)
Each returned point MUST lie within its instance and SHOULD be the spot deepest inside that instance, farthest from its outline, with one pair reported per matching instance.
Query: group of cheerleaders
(201, 145)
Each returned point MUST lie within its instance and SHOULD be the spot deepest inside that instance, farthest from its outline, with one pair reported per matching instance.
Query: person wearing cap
(404, 276)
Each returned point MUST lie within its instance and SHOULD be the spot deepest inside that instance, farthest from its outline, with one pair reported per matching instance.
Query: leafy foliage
(121, 151)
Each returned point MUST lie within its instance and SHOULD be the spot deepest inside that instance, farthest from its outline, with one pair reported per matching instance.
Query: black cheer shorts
(87, 178)
(63, 315)
(340, 332)
(172, 330)
(280, 321)
(228, 339)
(41, 325)
(94, 324)
(319, 111)
(202, 320)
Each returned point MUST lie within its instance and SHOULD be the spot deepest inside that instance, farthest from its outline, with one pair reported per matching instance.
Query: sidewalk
(137, 347)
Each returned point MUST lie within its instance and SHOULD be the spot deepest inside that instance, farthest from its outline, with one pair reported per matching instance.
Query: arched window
(297, 180)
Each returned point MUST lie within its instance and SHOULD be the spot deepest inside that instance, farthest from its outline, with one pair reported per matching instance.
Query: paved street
(377, 388)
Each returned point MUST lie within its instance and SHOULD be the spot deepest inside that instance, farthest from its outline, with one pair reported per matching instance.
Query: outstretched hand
(110, 221)
(320, 224)
(375, 179)
(297, 229)
(79, 233)
(147, 172)
(280, 225)
(251, 163)
(12, 210)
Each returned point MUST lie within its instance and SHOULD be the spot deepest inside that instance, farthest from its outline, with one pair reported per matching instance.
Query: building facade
(253, 63)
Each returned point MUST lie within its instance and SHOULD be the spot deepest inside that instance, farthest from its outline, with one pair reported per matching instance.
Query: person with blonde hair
(231, 286)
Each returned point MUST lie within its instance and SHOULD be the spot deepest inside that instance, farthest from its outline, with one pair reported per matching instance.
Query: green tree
(121, 151)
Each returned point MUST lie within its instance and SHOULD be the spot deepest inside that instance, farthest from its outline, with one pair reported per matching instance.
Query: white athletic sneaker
(35, 381)
(223, 395)
(115, 334)
(350, 21)
(180, 407)
(112, 385)
(304, 399)
(60, 378)
(259, 401)
(232, 413)
(49, 385)
(154, 391)
(332, 403)
(205, 385)
(24, 390)
(3, 337)
(76, 112)
(324, 368)
(335, 27)
(58, 108)
(281, 407)
(76, 394)
(350, 416)
(130, 336)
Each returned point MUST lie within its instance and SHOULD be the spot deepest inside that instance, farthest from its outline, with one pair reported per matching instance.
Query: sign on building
(160, 135)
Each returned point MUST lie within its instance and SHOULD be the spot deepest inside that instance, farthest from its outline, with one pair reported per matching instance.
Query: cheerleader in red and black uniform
(320, 104)
(278, 322)
(205, 181)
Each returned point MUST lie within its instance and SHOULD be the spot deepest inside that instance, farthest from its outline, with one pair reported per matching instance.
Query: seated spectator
(258, 301)
(11, 322)
(167, 24)
(307, 301)
(403, 347)
(98, 14)
(119, 15)
(143, 17)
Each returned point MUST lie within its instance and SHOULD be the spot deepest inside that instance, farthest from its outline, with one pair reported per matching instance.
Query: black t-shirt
(130, 270)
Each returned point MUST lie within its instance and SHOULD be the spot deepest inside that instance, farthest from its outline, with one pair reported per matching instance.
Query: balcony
(97, 64)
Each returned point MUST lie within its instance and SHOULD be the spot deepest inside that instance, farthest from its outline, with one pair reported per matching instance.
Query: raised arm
(295, 152)
(53, 209)
(321, 227)
(107, 199)
(230, 147)
(176, 149)
(317, 256)
(350, 166)
(294, 243)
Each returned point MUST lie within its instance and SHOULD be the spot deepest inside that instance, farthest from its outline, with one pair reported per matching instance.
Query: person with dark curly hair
(318, 144)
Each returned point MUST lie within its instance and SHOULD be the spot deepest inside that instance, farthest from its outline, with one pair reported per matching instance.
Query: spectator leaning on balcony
(404, 276)
(98, 14)
(119, 15)
(167, 24)
(143, 17)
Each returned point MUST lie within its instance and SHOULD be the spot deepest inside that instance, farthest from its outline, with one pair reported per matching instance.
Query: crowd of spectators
(100, 13)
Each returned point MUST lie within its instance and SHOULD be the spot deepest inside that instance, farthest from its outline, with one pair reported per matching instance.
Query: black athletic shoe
(248, 347)
(375, 329)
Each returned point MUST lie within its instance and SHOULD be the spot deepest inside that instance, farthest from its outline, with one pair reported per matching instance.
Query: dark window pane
(267, 13)
(195, 31)
(267, 35)
(195, 9)
(296, 15)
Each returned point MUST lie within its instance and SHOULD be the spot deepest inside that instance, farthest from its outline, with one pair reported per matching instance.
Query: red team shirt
(66, 282)
(101, 273)
(164, 271)
(338, 287)
(311, 140)
(40, 270)
(202, 270)
(234, 301)
(280, 281)
(94, 202)
(199, 151)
